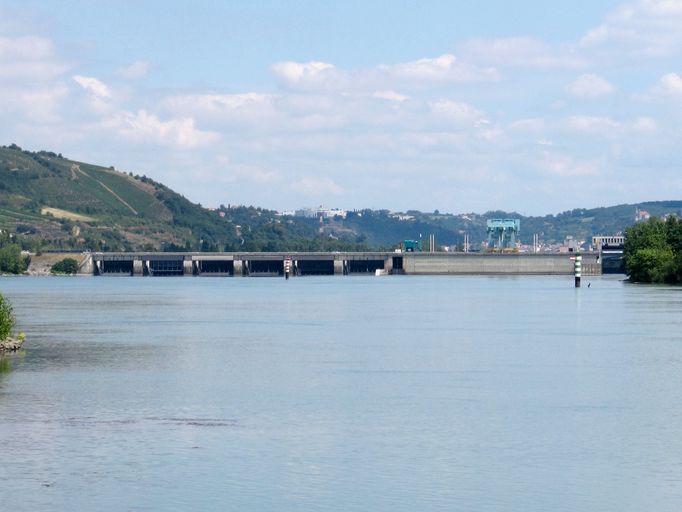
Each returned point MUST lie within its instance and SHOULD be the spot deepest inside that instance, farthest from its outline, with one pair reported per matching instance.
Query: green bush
(6, 318)
(653, 251)
(650, 265)
(11, 260)
(65, 266)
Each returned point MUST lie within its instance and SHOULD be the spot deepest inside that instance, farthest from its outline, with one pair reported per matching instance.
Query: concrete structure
(336, 263)
(487, 263)
(610, 249)
(612, 240)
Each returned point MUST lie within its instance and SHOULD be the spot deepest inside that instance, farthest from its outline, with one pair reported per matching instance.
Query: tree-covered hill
(51, 202)
(386, 229)
(65, 203)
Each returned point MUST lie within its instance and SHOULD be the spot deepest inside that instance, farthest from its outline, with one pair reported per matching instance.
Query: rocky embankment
(41, 265)
(10, 345)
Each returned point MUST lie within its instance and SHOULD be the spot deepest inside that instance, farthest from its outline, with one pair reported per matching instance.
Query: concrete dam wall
(512, 264)
(335, 263)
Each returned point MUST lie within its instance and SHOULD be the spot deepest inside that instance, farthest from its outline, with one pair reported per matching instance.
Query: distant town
(569, 244)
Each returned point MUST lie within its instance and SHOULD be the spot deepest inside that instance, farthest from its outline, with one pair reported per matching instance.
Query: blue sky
(459, 106)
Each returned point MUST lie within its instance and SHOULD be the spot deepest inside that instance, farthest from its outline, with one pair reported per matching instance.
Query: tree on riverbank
(11, 259)
(6, 318)
(653, 251)
(65, 266)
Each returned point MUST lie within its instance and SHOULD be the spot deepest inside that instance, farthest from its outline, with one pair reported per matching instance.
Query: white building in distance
(321, 212)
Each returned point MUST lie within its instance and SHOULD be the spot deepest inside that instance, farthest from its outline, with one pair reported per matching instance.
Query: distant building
(641, 215)
(402, 216)
(320, 212)
(571, 245)
(612, 241)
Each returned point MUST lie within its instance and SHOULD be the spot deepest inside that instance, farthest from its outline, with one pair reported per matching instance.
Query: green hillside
(381, 228)
(51, 202)
(66, 204)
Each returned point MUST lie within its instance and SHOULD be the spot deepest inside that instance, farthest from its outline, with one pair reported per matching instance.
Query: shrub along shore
(653, 251)
(7, 321)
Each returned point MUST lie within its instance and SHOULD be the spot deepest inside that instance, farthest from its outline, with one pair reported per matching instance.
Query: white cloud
(566, 166)
(642, 28)
(425, 72)
(35, 103)
(316, 186)
(93, 86)
(668, 88)
(590, 86)
(305, 74)
(27, 47)
(237, 172)
(248, 108)
(259, 174)
(459, 113)
(29, 58)
(218, 103)
(390, 96)
(446, 68)
(645, 124)
(521, 52)
(607, 127)
(532, 125)
(670, 84)
(593, 125)
(137, 69)
(365, 135)
(146, 127)
(31, 88)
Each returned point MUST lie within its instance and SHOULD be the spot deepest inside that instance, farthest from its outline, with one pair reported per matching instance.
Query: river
(342, 394)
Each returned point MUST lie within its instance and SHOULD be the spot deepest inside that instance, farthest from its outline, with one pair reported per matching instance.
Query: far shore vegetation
(49, 203)
(11, 259)
(653, 251)
(66, 266)
(6, 318)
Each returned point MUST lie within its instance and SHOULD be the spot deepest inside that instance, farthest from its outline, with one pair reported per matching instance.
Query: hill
(66, 203)
(51, 202)
(384, 228)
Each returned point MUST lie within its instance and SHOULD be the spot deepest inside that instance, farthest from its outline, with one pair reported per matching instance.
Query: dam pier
(264, 264)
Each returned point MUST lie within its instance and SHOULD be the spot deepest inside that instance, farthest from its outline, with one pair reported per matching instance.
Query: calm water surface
(342, 394)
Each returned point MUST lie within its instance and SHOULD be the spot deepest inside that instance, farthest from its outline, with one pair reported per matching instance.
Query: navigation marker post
(287, 267)
(578, 269)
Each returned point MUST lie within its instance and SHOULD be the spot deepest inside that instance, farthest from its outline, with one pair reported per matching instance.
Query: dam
(274, 264)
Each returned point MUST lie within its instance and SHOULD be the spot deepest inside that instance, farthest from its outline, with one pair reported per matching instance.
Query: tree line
(653, 251)
(11, 259)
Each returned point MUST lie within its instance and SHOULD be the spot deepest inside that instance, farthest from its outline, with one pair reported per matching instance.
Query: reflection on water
(401, 394)
(5, 364)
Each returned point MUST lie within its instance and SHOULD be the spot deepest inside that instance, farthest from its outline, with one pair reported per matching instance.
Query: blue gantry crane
(503, 234)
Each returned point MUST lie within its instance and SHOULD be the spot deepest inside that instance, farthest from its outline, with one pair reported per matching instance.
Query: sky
(529, 106)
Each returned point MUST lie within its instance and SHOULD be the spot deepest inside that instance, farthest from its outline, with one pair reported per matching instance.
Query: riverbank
(41, 265)
(10, 345)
